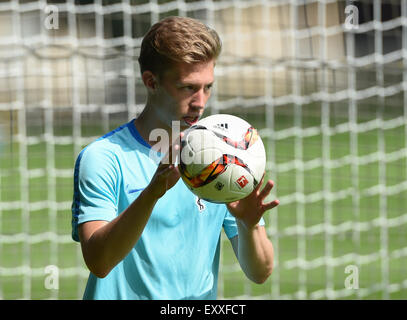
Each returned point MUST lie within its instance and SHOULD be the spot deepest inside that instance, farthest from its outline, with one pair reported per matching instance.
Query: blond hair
(177, 39)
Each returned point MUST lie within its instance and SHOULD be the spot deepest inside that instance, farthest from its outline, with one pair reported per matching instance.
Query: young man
(143, 234)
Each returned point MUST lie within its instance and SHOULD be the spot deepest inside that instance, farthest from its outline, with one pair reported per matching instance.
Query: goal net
(323, 81)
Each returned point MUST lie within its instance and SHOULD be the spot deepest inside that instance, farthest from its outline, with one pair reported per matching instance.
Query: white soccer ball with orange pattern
(222, 158)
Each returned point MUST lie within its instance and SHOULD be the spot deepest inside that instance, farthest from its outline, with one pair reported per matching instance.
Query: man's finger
(173, 151)
(260, 183)
(266, 190)
(167, 170)
(167, 159)
(271, 205)
(175, 148)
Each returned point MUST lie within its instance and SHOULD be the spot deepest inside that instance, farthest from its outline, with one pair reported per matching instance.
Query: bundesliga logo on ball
(222, 158)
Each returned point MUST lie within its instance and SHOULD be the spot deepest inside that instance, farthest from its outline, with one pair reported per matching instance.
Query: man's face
(183, 91)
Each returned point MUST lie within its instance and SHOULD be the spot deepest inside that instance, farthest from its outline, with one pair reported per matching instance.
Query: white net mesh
(328, 99)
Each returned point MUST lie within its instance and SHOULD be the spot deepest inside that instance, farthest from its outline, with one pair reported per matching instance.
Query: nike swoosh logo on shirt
(135, 190)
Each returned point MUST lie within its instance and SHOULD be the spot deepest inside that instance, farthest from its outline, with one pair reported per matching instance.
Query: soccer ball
(222, 158)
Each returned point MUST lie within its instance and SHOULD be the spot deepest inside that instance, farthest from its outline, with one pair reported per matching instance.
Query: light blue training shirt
(177, 255)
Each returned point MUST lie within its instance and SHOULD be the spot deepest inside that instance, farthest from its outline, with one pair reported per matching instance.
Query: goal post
(323, 81)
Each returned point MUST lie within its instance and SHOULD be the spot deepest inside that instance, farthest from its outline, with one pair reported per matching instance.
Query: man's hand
(252, 247)
(167, 173)
(250, 209)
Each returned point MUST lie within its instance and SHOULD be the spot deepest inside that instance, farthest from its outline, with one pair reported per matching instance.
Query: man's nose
(199, 99)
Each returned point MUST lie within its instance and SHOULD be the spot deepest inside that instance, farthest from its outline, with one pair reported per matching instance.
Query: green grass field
(35, 249)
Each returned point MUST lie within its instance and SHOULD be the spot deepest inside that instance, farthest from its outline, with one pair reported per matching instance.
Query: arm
(253, 249)
(104, 244)
(254, 252)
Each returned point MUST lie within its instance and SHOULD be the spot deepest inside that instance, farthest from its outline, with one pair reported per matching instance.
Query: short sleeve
(95, 188)
(230, 226)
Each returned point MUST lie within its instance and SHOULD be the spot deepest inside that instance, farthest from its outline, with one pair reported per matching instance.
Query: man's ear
(149, 80)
